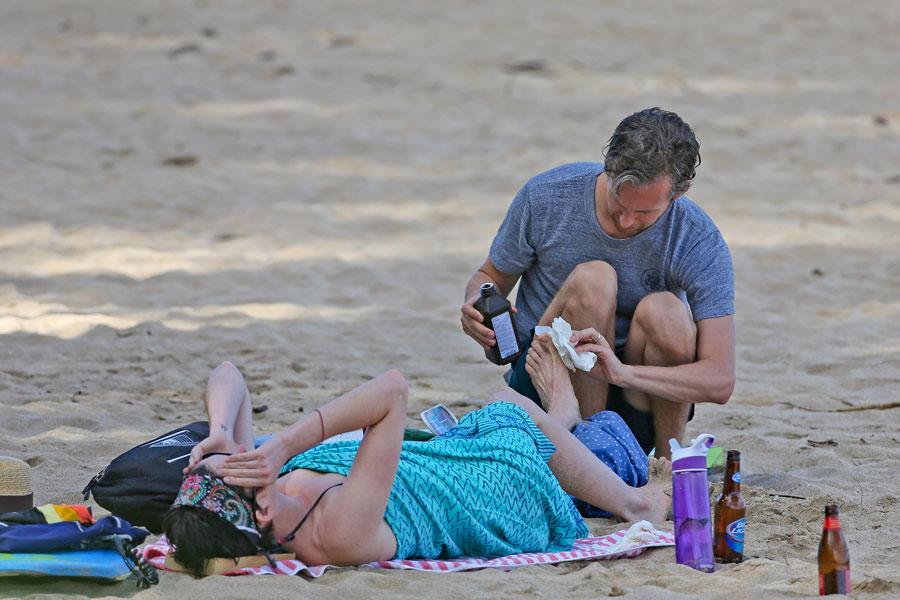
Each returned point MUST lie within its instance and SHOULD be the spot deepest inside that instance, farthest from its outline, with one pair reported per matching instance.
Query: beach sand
(305, 188)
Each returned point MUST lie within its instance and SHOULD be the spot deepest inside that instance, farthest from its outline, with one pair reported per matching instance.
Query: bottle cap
(487, 288)
(693, 456)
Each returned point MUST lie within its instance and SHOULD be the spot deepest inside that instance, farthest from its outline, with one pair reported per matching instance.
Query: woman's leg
(580, 472)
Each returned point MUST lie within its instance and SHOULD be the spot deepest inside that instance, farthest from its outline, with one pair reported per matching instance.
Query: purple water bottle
(690, 498)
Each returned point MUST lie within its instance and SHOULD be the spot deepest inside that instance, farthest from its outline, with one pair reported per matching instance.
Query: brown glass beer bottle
(498, 315)
(834, 557)
(730, 514)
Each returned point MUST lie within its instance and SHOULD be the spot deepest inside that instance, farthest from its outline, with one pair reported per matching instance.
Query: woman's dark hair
(200, 535)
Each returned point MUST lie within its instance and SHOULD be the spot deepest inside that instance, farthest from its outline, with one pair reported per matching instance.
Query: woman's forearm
(379, 404)
(224, 395)
(228, 406)
(362, 407)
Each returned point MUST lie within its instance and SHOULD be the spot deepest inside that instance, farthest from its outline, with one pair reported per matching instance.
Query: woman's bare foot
(655, 498)
(551, 380)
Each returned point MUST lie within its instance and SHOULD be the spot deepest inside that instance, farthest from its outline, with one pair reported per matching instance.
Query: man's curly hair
(651, 143)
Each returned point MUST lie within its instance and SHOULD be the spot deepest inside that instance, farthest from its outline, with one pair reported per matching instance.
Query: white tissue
(560, 332)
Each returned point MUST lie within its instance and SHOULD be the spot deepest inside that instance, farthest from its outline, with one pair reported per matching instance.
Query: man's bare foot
(551, 380)
(655, 498)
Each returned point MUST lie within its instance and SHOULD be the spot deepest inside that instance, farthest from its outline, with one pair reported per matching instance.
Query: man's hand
(257, 468)
(473, 324)
(472, 321)
(608, 367)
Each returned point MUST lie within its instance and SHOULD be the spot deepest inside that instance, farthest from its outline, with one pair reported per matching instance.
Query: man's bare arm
(488, 273)
(710, 378)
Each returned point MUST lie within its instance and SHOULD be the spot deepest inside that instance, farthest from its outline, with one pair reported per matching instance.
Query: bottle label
(736, 477)
(506, 335)
(835, 582)
(734, 535)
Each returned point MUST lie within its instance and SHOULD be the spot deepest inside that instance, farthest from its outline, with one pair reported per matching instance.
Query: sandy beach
(305, 188)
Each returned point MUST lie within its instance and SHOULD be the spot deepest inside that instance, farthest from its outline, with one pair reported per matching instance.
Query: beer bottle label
(506, 336)
(736, 477)
(834, 582)
(734, 535)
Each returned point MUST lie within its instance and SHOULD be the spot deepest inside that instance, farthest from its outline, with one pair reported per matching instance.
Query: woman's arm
(351, 528)
(229, 413)
(365, 406)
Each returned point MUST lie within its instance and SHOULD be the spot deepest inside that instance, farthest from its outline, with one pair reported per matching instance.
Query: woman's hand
(608, 367)
(257, 468)
(214, 443)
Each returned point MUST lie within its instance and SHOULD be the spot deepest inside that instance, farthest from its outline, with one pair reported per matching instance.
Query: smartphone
(438, 419)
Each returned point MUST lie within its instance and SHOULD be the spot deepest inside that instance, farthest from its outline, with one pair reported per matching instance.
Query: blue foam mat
(97, 564)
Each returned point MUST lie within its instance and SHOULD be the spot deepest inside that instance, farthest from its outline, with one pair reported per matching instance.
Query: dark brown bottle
(834, 557)
(730, 514)
(498, 316)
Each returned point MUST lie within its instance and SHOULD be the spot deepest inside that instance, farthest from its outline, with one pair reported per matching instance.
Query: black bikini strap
(293, 533)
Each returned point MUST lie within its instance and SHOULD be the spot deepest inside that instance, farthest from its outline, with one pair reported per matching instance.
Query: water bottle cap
(693, 456)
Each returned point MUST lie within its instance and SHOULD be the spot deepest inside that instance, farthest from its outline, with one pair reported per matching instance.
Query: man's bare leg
(662, 334)
(587, 299)
(583, 475)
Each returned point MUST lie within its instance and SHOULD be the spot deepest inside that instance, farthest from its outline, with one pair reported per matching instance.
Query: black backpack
(141, 484)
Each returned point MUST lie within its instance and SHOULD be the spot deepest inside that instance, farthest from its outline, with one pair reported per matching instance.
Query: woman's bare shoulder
(333, 536)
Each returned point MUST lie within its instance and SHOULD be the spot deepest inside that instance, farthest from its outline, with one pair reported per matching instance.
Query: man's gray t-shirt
(552, 226)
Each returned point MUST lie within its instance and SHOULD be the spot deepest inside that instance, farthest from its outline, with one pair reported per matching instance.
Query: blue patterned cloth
(608, 437)
(481, 489)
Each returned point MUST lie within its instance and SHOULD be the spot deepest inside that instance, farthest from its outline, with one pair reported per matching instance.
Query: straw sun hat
(16, 492)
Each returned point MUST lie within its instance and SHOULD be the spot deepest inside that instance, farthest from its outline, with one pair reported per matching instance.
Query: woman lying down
(494, 485)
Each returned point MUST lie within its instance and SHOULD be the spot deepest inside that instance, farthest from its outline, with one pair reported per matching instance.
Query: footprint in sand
(258, 388)
(818, 369)
(294, 384)
(468, 360)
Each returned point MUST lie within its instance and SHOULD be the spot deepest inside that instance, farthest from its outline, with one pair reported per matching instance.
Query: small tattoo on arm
(223, 428)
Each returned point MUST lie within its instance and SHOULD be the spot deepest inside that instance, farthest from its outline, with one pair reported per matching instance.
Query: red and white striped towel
(626, 543)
